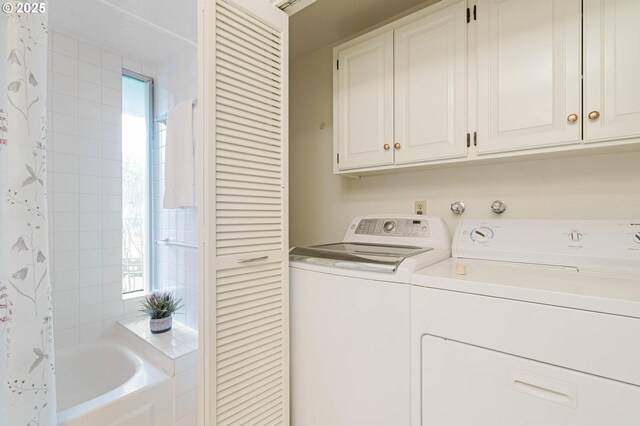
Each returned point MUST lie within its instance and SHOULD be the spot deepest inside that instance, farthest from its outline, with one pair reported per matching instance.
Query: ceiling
(155, 30)
(326, 22)
(150, 30)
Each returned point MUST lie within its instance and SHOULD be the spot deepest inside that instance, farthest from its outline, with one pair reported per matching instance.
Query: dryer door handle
(542, 387)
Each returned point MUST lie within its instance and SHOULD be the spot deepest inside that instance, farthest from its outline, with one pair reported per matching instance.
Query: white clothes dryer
(529, 323)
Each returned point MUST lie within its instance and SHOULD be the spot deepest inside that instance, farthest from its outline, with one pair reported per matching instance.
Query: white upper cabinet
(363, 90)
(611, 69)
(470, 80)
(529, 74)
(430, 87)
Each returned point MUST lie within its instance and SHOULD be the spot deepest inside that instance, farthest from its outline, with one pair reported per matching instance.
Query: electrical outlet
(420, 207)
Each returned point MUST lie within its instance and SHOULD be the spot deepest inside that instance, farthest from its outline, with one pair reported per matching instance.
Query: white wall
(322, 205)
(84, 156)
(85, 187)
(176, 267)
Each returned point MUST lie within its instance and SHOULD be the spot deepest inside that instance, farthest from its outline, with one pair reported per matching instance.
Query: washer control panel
(393, 227)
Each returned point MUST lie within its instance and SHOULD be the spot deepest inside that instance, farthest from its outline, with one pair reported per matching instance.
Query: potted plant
(160, 307)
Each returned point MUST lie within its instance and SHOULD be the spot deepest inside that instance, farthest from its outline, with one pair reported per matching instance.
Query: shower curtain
(27, 386)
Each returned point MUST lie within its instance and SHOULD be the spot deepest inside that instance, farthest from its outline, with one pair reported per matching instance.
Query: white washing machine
(529, 323)
(350, 320)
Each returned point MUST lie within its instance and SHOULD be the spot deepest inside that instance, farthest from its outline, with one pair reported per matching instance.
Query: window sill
(135, 295)
(175, 343)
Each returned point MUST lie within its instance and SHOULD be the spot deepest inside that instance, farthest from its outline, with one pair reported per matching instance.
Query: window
(136, 219)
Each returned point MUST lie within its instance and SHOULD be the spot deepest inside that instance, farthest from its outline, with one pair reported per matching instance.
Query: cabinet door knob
(594, 115)
(396, 145)
(386, 147)
(572, 118)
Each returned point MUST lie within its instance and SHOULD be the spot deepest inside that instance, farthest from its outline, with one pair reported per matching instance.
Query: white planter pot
(161, 325)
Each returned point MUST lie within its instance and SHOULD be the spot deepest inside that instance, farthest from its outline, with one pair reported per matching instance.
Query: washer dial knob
(575, 235)
(636, 238)
(389, 226)
(482, 234)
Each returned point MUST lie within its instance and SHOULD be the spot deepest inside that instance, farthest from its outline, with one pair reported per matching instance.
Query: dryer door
(465, 385)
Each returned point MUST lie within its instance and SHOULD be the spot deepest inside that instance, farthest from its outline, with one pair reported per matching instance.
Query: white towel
(179, 165)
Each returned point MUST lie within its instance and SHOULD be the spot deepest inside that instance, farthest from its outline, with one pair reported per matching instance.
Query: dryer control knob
(482, 234)
(575, 235)
(636, 238)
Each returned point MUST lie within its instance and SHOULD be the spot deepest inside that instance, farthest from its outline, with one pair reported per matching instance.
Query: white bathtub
(106, 383)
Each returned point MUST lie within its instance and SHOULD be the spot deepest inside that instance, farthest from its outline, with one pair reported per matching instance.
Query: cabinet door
(430, 86)
(612, 68)
(529, 73)
(245, 253)
(364, 103)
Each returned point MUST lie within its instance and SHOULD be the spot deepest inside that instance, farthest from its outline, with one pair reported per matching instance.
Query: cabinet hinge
(468, 15)
(468, 140)
(475, 138)
(474, 12)
(338, 64)
(338, 158)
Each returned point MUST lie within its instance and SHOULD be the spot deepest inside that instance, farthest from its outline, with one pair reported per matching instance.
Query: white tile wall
(84, 179)
(176, 268)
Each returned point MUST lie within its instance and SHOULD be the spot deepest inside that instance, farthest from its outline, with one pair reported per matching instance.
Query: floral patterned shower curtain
(27, 387)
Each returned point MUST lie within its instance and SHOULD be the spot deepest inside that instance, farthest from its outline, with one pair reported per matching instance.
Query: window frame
(149, 248)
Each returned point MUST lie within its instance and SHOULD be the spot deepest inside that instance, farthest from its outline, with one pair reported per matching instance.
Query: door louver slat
(248, 49)
(262, 400)
(229, 13)
(236, 333)
(240, 369)
(227, 181)
(238, 87)
(223, 101)
(247, 171)
(227, 151)
(249, 147)
(255, 313)
(249, 131)
(235, 60)
(250, 37)
(226, 97)
(235, 74)
(239, 137)
(258, 371)
(242, 91)
(250, 115)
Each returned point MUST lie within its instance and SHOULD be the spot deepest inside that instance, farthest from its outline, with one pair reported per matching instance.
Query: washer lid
(370, 257)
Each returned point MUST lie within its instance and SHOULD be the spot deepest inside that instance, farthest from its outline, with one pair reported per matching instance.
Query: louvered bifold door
(251, 238)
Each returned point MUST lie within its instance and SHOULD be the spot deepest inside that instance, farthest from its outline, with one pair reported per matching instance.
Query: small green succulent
(160, 304)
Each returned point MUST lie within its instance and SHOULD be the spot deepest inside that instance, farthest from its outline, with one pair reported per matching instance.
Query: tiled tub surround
(176, 267)
(85, 187)
(175, 353)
